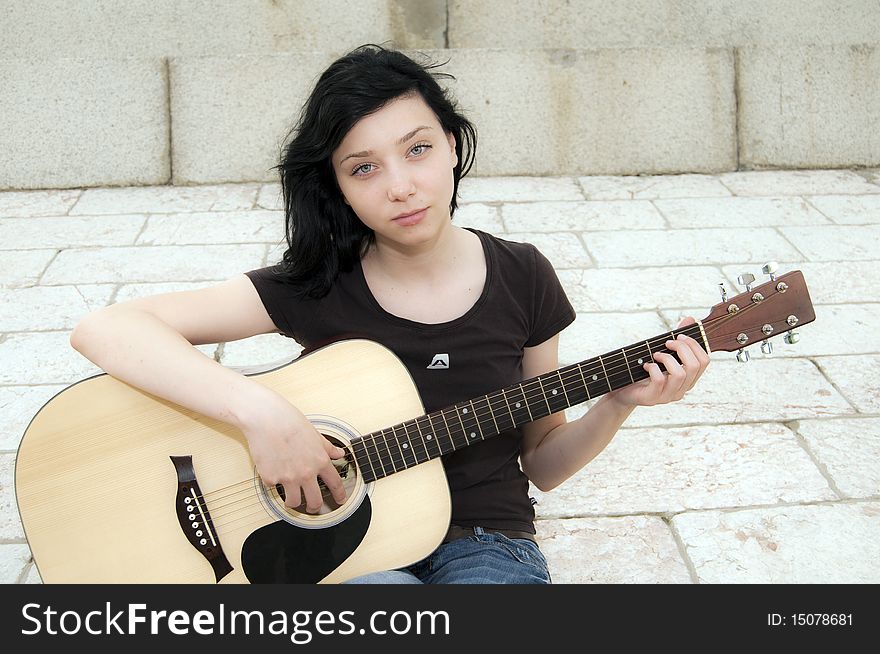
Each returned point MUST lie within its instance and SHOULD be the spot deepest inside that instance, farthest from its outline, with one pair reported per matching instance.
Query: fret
(409, 457)
(481, 415)
(522, 402)
(428, 456)
(512, 417)
(378, 456)
(595, 385)
(544, 395)
(565, 392)
(392, 446)
(555, 401)
(436, 429)
(618, 377)
(476, 420)
(628, 367)
(502, 418)
(460, 421)
(363, 457)
(650, 352)
(586, 387)
(606, 373)
(429, 438)
(468, 419)
(395, 454)
(416, 443)
(446, 424)
(576, 386)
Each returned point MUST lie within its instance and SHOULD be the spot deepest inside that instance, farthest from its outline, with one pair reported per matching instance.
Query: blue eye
(360, 170)
(421, 147)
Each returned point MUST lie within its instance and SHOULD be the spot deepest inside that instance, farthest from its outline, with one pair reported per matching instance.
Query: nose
(400, 186)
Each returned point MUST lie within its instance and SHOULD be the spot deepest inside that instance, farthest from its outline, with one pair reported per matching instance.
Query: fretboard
(432, 435)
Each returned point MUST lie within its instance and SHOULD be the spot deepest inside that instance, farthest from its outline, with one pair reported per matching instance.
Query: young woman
(370, 180)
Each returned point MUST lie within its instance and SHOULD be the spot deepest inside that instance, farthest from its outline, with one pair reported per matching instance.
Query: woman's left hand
(679, 378)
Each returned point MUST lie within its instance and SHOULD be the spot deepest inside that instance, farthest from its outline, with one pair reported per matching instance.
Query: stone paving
(767, 471)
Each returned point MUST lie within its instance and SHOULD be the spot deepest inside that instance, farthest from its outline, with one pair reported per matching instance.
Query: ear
(450, 137)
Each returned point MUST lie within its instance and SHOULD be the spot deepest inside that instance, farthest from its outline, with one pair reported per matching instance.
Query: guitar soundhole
(330, 512)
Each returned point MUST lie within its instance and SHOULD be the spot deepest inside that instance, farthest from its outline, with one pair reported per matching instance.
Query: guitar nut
(757, 297)
(732, 308)
(742, 339)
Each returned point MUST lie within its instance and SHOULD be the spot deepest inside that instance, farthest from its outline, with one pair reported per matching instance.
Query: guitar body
(104, 495)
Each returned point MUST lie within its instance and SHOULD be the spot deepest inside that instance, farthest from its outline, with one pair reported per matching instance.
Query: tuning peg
(723, 291)
(746, 280)
(791, 337)
(770, 269)
(766, 347)
(742, 355)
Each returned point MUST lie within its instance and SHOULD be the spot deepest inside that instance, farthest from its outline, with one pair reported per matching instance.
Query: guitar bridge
(194, 518)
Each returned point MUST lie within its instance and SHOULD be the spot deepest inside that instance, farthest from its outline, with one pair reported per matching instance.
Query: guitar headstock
(760, 313)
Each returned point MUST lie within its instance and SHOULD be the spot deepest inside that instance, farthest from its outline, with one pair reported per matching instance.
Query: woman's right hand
(287, 449)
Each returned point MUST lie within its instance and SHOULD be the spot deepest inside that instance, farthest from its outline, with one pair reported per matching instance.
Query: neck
(426, 260)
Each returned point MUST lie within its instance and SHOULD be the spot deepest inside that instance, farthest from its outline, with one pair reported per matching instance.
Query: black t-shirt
(522, 305)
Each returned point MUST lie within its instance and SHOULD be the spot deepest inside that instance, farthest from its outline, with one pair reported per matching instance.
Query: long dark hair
(324, 235)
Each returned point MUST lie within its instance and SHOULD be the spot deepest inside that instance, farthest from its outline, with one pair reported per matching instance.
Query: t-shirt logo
(439, 362)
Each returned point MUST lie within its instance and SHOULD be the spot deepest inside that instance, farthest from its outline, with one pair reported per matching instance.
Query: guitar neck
(444, 431)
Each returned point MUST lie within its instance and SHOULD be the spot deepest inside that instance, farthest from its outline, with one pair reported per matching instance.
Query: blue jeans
(484, 558)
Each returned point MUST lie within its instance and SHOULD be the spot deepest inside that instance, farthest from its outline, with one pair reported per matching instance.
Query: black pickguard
(282, 553)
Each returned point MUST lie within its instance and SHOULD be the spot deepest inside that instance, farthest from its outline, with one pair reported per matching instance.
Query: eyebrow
(403, 139)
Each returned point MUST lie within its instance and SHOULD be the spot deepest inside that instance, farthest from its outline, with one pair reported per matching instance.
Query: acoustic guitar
(115, 485)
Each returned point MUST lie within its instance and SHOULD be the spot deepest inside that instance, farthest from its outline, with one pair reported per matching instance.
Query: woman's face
(394, 168)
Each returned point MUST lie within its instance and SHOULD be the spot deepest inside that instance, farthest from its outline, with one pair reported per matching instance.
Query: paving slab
(651, 187)
(828, 282)
(10, 524)
(18, 405)
(856, 378)
(69, 231)
(739, 212)
(820, 544)
(593, 334)
(797, 182)
(682, 247)
(42, 308)
(485, 217)
(849, 450)
(167, 263)
(259, 350)
(669, 470)
(581, 216)
(14, 558)
(167, 199)
(638, 289)
(563, 249)
(254, 226)
(27, 204)
(24, 267)
(848, 209)
(838, 329)
(627, 550)
(760, 391)
(518, 189)
(835, 242)
(42, 358)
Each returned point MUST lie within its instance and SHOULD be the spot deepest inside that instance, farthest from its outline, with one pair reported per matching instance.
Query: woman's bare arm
(148, 343)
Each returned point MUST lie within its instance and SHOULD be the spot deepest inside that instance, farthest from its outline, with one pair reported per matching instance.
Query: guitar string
(713, 325)
(532, 392)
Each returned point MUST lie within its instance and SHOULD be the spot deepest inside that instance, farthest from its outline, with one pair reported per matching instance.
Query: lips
(411, 217)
